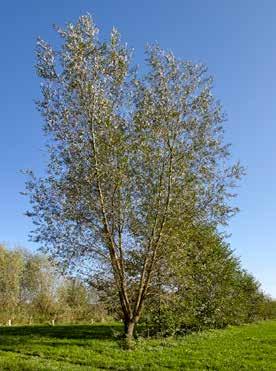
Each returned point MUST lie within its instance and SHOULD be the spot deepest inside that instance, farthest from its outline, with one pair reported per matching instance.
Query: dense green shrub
(206, 288)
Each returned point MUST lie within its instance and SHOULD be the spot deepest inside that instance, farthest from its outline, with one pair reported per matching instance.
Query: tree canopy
(135, 158)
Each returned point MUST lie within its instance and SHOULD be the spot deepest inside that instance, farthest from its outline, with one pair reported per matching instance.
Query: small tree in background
(75, 301)
(132, 161)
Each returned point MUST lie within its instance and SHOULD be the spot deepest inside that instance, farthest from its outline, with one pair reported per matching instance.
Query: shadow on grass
(104, 331)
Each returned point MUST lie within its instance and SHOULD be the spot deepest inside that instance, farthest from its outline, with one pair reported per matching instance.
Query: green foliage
(270, 308)
(11, 272)
(34, 348)
(32, 290)
(78, 303)
(130, 156)
(203, 286)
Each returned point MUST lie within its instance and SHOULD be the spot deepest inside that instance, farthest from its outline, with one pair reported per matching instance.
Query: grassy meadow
(81, 347)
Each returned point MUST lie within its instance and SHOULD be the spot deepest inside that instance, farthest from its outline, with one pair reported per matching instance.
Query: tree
(202, 286)
(73, 297)
(39, 287)
(132, 160)
(11, 269)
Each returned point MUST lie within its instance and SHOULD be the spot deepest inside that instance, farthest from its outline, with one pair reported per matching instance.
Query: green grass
(247, 347)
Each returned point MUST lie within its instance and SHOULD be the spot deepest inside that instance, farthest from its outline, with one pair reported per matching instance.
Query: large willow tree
(132, 160)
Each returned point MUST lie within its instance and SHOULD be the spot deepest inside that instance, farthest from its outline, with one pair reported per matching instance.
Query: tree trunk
(129, 329)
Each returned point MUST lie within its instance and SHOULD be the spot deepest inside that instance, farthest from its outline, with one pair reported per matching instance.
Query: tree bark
(129, 330)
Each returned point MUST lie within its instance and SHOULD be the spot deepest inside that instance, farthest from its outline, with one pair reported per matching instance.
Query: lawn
(247, 347)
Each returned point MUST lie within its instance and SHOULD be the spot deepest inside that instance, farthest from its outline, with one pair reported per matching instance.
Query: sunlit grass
(248, 347)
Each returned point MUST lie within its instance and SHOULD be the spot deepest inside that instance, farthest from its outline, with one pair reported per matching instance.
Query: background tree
(133, 161)
(33, 290)
(203, 286)
(11, 270)
(78, 302)
(42, 280)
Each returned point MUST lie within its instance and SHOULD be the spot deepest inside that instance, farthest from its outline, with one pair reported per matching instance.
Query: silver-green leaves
(133, 159)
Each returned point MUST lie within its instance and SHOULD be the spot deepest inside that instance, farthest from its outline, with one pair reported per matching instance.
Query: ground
(247, 347)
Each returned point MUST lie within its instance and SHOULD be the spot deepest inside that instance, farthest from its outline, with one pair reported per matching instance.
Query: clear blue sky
(236, 39)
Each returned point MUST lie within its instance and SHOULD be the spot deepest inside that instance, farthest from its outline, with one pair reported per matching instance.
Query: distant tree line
(205, 287)
(33, 290)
